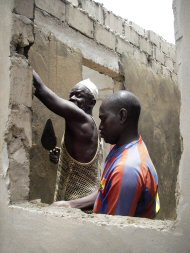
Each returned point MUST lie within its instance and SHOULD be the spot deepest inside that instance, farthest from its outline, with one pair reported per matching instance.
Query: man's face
(110, 123)
(79, 96)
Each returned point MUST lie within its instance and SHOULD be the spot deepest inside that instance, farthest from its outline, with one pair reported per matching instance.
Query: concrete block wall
(114, 33)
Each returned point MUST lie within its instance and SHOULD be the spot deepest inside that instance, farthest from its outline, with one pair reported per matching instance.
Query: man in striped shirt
(129, 184)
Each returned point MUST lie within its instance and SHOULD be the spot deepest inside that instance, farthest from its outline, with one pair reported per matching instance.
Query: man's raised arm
(60, 106)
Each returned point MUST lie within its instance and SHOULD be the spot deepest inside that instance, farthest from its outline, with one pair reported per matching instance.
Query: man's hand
(62, 203)
(54, 155)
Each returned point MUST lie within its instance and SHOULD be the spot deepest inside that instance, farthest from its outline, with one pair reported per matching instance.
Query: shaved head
(127, 100)
(119, 115)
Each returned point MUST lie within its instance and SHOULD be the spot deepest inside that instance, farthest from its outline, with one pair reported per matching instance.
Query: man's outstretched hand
(54, 155)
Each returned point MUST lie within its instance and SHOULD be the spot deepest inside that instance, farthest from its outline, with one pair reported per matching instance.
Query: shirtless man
(78, 173)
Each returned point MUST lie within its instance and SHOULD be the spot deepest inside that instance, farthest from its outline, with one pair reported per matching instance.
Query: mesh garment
(74, 179)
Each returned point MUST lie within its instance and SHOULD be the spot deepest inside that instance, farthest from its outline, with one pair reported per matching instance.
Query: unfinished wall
(28, 228)
(80, 39)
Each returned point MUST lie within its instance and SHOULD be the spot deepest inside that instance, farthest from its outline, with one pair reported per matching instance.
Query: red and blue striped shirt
(129, 184)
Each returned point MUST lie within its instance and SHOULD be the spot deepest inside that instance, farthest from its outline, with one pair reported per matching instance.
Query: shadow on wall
(159, 126)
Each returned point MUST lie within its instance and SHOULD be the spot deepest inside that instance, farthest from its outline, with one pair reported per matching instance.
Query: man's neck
(127, 138)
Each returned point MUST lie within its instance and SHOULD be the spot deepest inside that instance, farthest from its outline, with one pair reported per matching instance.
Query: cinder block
(158, 55)
(169, 63)
(93, 9)
(164, 46)
(131, 35)
(123, 46)
(73, 2)
(105, 37)
(22, 31)
(79, 20)
(53, 7)
(145, 45)
(21, 82)
(154, 38)
(114, 23)
(172, 52)
(166, 72)
(156, 66)
(140, 56)
(137, 28)
(25, 8)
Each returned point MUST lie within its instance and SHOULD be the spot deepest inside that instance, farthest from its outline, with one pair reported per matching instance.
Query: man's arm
(61, 107)
(78, 203)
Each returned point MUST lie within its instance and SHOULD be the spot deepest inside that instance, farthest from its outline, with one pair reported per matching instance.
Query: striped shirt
(129, 184)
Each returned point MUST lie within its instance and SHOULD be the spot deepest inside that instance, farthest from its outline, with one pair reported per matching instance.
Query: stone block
(22, 31)
(21, 82)
(154, 38)
(93, 9)
(54, 7)
(137, 29)
(113, 22)
(131, 35)
(169, 63)
(145, 45)
(79, 20)
(25, 8)
(105, 37)
(158, 55)
(123, 46)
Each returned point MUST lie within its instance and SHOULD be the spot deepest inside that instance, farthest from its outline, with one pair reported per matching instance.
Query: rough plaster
(159, 126)
(30, 228)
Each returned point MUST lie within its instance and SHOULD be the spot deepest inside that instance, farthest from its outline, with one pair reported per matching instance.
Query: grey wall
(28, 228)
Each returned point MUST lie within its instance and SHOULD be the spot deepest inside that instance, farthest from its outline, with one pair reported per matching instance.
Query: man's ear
(123, 115)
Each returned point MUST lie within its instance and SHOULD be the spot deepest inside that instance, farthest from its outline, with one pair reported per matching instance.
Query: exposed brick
(140, 56)
(169, 63)
(114, 23)
(22, 31)
(131, 35)
(156, 67)
(53, 7)
(73, 2)
(145, 45)
(164, 46)
(79, 20)
(124, 46)
(105, 37)
(21, 82)
(158, 55)
(137, 28)
(166, 72)
(154, 38)
(25, 8)
(93, 9)
(172, 52)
